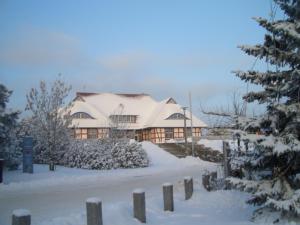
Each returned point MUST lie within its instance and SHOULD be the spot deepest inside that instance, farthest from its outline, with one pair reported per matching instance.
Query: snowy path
(63, 200)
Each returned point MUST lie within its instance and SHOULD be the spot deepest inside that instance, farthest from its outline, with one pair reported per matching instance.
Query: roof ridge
(86, 94)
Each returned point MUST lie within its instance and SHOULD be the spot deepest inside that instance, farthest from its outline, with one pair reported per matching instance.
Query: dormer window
(81, 115)
(123, 118)
(176, 116)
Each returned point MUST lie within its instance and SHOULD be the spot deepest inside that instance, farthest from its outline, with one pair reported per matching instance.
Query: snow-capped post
(168, 197)
(27, 155)
(21, 217)
(188, 187)
(94, 211)
(226, 154)
(1, 170)
(139, 205)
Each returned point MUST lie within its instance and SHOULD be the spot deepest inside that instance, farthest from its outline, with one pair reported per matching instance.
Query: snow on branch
(281, 27)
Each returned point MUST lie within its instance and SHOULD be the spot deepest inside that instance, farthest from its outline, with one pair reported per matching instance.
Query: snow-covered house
(95, 115)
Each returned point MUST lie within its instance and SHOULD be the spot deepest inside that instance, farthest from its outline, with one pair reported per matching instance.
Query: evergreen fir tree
(9, 142)
(272, 168)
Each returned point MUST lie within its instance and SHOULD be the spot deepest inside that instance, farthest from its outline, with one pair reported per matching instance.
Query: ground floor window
(178, 133)
(169, 133)
(102, 133)
(92, 133)
(89, 133)
(81, 133)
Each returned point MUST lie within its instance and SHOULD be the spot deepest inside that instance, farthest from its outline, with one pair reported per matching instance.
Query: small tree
(50, 121)
(272, 167)
(9, 144)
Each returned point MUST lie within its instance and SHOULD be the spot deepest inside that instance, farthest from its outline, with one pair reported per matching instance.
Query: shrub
(104, 154)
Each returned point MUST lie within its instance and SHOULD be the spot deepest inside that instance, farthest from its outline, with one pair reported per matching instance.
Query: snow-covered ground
(214, 144)
(58, 198)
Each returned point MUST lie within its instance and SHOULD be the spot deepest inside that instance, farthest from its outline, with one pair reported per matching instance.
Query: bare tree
(227, 117)
(118, 126)
(50, 121)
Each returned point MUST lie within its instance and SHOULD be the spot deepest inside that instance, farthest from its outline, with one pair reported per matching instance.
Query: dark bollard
(94, 211)
(205, 182)
(21, 217)
(188, 187)
(168, 197)
(139, 205)
(1, 170)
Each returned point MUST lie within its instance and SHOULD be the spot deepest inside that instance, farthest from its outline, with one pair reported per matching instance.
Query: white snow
(93, 200)
(214, 144)
(187, 178)
(138, 191)
(21, 212)
(58, 198)
(217, 208)
(150, 112)
(167, 184)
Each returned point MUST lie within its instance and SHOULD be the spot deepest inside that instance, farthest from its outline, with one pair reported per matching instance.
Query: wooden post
(185, 131)
(226, 154)
(94, 211)
(205, 182)
(21, 217)
(139, 205)
(188, 187)
(168, 197)
(214, 175)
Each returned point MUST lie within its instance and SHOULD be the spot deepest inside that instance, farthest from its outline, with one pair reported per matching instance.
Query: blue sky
(160, 47)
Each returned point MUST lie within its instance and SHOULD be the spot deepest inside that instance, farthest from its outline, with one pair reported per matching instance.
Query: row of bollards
(94, 205)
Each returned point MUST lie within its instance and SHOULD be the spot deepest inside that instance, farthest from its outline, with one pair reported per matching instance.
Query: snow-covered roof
(149, 113)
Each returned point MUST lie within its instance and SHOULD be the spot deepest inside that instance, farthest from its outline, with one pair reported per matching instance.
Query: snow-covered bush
(128, 154)
(88, 154)
(104, 154)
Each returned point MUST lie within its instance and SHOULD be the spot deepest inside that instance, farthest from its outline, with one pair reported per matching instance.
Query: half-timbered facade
(138, 116)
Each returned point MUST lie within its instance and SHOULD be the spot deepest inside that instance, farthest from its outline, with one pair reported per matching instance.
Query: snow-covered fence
(94, 211)
(139, 205)
(217, 180)
(168, 197)
(188, 187)
(21, 217)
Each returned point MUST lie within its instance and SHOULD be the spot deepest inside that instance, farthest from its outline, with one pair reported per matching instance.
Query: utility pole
(191, 117)
(185, 130)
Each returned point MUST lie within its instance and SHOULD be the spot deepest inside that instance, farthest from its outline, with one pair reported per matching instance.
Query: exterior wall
(103, 133)
(86, 133)
(155, 135)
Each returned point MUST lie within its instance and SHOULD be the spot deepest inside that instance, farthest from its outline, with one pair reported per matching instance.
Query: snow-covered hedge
(104, 154)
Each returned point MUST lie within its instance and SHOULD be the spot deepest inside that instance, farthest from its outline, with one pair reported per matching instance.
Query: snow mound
(159, 157)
